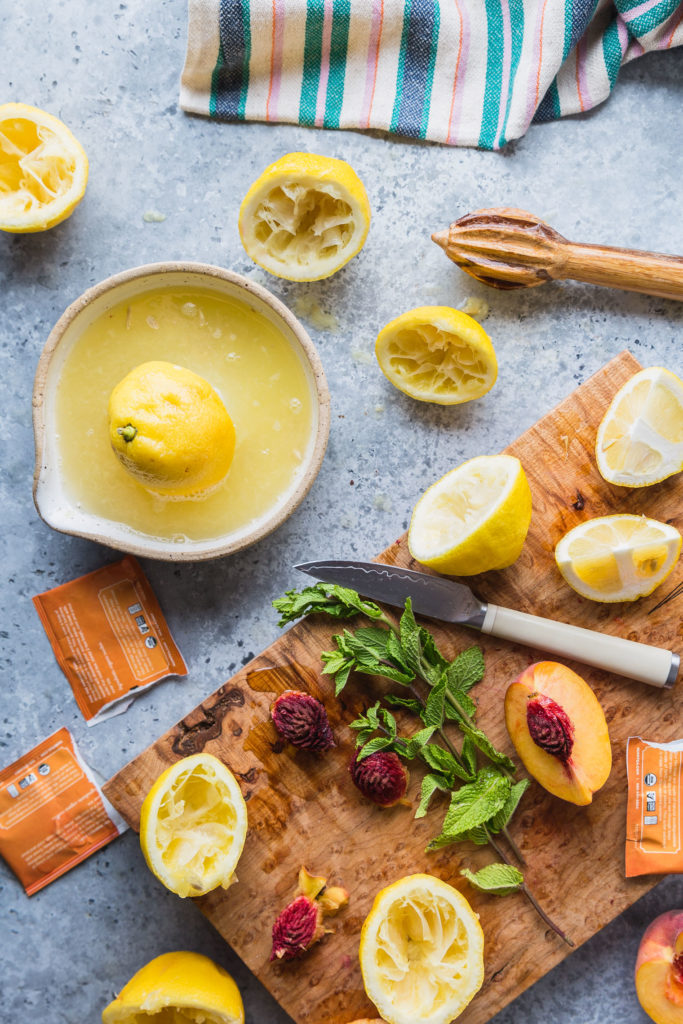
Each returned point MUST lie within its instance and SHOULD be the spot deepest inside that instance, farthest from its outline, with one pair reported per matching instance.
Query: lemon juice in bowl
(248, 362)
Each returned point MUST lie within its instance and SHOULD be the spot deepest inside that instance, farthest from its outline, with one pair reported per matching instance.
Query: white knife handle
(647, 664)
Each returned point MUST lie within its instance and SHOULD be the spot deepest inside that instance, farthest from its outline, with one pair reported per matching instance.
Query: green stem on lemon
(128, 432)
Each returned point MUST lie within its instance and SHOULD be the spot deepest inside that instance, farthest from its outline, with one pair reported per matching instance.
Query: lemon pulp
(43, 169)
(421, 952)
(246, 359)
(193, 825)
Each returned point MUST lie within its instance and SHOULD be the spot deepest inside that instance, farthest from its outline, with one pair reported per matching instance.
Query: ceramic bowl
(49, 491)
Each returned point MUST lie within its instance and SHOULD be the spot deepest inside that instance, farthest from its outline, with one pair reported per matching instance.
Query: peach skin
(659, 969)
(559, 731)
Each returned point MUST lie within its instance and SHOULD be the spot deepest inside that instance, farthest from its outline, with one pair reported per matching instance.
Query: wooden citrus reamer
(509, 248)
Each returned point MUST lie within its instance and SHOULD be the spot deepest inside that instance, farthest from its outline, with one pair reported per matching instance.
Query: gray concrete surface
(111, 72)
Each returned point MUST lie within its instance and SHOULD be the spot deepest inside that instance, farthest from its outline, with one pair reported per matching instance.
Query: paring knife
(438, 598)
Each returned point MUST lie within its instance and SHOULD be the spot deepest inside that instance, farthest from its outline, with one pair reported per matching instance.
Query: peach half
(559, 731)
(659, 969)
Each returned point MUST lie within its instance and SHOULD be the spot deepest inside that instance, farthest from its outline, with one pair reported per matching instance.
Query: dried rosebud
(303, 721)
(297, 928)
(550, 727)
(380, 777)
(301, 923)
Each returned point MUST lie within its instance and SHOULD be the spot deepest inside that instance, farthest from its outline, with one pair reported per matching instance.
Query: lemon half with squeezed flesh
(474, 518)
(305, 217)
(640, 439)
(437, 354)
(618, 558)
(170, 430)
(193, 826)
(421, 952)
(177, 988)
(43, 169)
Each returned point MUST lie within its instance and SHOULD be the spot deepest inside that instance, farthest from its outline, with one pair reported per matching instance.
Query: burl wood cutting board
(304, 809)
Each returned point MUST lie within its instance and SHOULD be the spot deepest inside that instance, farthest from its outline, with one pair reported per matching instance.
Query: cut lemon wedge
(618, 558)
(421, 952)
(474, 518)
(177, 988)
(43, 169)
(640, 439)
(305, 217)
(193, 825)
(437, 354)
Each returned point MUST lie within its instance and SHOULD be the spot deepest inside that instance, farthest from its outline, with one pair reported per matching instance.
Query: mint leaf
(475, 803)
(468, 753)
(483, 743)
(415, 744)
(466, 708)
(410, 703)
(433, 713)
(410, 639)
(440, 760)
(430, 784)
(467, 669)
(369, 720)
(339, 666)
(500, 820)
(388, 721)
(373, 746)
(432, 656)
(501, 879)
(395, 651)
(339, 602)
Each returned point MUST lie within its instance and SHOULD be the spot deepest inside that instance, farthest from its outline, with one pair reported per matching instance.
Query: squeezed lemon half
(437, 354)
(193, 825)
(421, 952)
(43, 169)
(618, 558)
(177, 988)
(305, 217)
(170, 430)
(474, 518)
(640, 439)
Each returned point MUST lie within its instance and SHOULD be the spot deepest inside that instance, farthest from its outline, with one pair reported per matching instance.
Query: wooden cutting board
(304, 809)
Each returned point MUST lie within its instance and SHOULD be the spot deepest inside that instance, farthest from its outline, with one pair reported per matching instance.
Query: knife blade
(432, 596)
(439, 598)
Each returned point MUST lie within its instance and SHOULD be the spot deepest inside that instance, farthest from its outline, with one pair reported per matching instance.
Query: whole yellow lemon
(170, 430)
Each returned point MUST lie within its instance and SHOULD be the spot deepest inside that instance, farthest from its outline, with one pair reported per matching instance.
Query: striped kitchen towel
(463, 72)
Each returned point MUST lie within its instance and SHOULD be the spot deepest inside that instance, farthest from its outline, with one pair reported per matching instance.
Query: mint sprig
(483, 797)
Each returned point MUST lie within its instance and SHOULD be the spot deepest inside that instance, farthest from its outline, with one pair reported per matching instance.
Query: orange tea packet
(109, 636)
(655, 807)
(52, 812)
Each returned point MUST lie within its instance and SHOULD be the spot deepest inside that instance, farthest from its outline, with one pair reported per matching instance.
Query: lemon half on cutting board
(618, 558)
(474, 518)
(43, 169)
(193, 825)
(640, 439)
(437, 354)
(178, 988)
(421, 952)
(305, 217)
